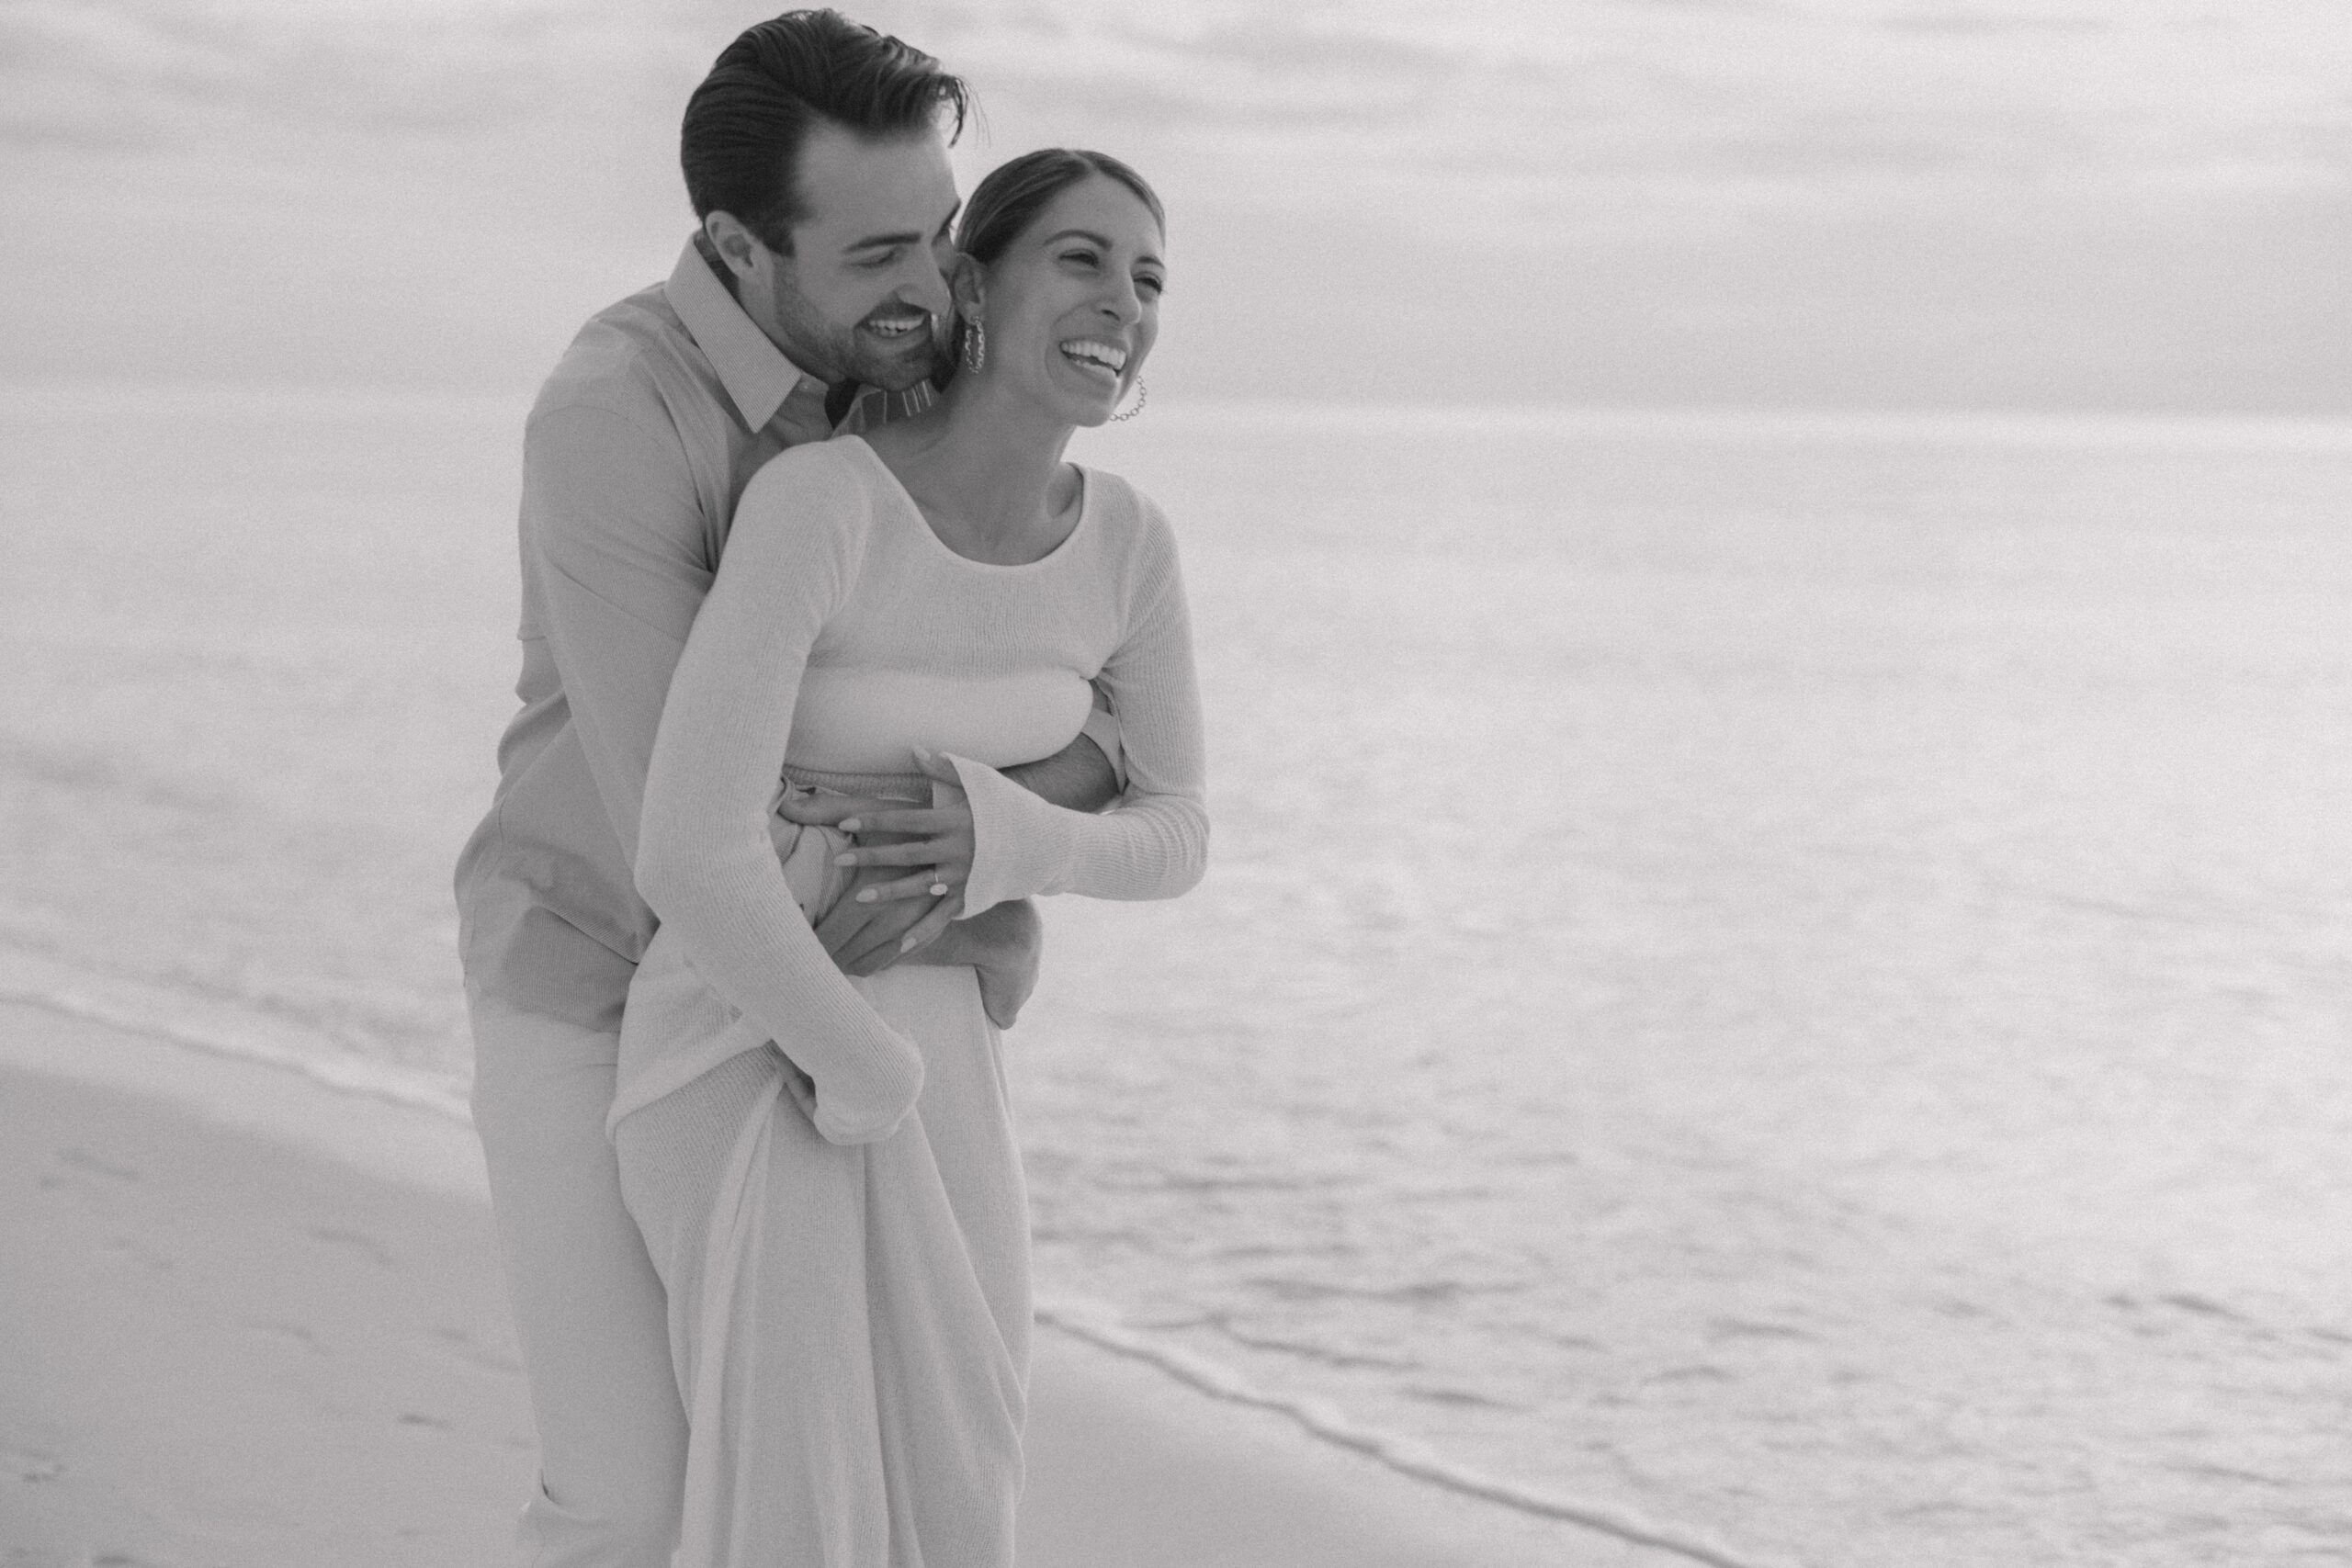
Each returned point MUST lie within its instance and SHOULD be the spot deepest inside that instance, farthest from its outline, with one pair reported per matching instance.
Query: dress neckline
(923, 524)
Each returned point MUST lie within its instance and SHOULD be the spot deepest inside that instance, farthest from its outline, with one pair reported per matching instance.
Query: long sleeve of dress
(705, 863)
(1153, 843)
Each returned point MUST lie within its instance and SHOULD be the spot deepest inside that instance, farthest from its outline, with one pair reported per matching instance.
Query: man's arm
(1079, 776)
(613, 534)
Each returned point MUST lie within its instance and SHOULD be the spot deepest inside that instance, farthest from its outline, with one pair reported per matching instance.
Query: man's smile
(896, 324)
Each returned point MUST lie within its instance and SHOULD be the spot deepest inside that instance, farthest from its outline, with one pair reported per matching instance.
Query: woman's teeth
(896, 326)
(1088, 355)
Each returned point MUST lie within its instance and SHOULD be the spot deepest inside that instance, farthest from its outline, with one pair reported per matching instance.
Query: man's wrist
(1102, 728)
(950, 949)
(1078, 777)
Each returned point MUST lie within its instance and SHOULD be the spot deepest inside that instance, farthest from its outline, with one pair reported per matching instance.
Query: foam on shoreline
(1099, 1326)
(219, 1028)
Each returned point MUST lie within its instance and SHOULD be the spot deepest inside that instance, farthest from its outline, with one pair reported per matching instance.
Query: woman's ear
(964, 285)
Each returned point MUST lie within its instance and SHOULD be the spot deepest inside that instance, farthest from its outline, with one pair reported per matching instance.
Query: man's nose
(924, 284)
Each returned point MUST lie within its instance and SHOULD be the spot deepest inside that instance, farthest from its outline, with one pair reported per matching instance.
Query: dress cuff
(1016, 838)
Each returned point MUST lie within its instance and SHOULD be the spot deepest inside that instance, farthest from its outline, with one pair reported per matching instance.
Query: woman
(825, 1169)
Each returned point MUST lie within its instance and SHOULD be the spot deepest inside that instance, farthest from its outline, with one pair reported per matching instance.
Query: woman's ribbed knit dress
(825, 1169)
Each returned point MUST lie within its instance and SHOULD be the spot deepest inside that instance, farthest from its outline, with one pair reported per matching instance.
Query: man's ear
(744, 252)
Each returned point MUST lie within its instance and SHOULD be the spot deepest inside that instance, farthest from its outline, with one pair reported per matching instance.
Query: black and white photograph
(1224, 783)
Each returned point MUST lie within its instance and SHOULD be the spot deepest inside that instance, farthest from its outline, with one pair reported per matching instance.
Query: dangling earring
(1143, 396)
(976, 345)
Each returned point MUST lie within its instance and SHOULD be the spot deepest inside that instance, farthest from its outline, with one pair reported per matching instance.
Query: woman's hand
(937, 839)
(865, 939)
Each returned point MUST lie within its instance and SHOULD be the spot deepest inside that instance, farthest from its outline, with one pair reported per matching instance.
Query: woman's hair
(744, 125)
(1014, 193)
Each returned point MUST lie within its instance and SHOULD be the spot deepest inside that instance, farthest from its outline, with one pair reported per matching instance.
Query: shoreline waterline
(422, 1141)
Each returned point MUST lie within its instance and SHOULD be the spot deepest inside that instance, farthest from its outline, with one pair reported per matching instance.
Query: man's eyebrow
(903, 237)
(1098, 239)
(881, 242)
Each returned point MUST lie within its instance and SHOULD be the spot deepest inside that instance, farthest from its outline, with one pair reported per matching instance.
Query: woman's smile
(1096, 357)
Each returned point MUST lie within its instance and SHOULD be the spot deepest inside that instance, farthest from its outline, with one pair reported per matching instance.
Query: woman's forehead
(1100, 205)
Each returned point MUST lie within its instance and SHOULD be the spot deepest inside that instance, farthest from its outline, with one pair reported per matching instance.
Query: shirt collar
(754, 370)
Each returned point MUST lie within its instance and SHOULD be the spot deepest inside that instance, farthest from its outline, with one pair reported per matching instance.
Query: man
(815, 159)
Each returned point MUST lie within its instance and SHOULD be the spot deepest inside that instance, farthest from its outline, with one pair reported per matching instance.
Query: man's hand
(1005, 945)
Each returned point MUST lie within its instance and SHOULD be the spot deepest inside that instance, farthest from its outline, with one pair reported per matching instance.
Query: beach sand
(256, 1321)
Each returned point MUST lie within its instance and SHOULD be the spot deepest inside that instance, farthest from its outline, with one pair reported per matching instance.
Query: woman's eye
(1151, 286)
(1086, 256)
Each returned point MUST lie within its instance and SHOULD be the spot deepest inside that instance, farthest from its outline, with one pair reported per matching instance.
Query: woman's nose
(1122, 304)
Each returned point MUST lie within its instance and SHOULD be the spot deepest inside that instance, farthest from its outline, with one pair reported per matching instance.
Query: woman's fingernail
(906, 942)
(852, 825)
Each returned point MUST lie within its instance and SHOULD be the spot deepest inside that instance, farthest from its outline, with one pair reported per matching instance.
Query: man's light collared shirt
(656, 417)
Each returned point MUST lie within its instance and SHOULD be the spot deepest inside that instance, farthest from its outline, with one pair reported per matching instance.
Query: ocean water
(1779, 982)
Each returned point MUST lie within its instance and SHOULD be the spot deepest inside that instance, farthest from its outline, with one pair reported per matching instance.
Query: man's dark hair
(1016, 192)
(745, 125)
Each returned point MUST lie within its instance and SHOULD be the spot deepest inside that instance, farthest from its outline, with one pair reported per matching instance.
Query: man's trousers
(589, 1310)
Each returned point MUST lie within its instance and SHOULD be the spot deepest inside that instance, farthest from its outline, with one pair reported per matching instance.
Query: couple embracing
(750, 907)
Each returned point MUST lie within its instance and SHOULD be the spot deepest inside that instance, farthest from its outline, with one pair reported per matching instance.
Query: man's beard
(854, 354)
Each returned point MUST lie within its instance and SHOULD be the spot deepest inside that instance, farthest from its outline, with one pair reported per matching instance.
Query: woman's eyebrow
(1098, 239)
